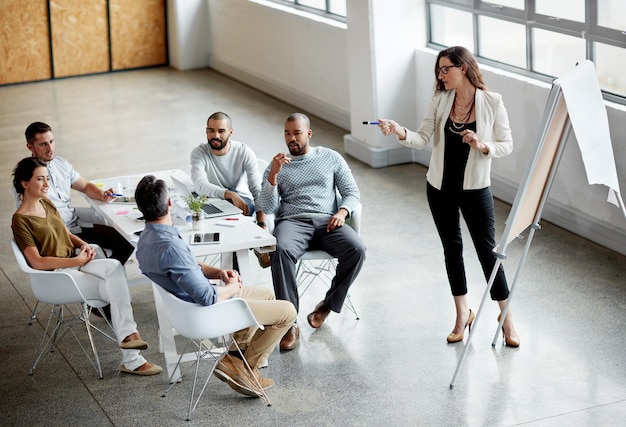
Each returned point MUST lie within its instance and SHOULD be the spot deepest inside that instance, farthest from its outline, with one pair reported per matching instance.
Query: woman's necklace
(459, 121)
(459, 130)
(456, 105)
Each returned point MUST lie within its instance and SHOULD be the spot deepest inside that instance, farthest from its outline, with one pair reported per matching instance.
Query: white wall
(381, 66)
(298, 60)
(371, 70)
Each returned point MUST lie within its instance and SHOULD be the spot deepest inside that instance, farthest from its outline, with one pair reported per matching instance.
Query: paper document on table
(180, 210)
(135, 215)
(234, 221)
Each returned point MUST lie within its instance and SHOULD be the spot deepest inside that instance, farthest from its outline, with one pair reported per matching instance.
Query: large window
(541, 38)
(335, 9)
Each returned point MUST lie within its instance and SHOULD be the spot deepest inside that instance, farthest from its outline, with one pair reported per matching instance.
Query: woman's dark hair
(24, 172)
(459, 56)
(152, 197)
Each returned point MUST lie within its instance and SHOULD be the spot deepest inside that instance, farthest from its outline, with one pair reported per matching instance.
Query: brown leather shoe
(264, 382)
(290, 339)
(232, 371)
(319, 314)
(264, 259)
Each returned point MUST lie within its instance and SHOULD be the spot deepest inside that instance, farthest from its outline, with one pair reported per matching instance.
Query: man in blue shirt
(167, 260)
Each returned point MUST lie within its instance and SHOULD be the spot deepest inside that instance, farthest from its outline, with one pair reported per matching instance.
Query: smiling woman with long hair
(47, 244)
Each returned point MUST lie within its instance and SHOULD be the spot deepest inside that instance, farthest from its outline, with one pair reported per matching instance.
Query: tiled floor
(391, 367)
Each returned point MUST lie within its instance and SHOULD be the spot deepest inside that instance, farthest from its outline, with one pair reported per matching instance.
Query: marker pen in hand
(370, 123)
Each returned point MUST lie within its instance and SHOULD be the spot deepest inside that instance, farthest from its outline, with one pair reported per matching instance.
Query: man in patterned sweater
(301, 189)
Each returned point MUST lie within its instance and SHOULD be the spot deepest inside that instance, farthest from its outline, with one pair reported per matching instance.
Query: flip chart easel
(530, 199)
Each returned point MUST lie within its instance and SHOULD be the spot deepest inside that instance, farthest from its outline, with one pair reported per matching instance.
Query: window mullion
(550, 43)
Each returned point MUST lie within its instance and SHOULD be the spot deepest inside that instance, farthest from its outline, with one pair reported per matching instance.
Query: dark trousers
(108, 238)
(478, 212)
(294, 237)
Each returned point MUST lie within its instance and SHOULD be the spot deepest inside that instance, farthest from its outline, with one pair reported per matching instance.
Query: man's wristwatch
(261, 224)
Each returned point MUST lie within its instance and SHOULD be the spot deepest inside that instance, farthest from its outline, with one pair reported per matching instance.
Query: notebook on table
(213, 208)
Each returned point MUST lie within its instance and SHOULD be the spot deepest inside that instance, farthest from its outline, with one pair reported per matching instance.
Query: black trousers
(108, 238)
(478, 212)
(294, 237)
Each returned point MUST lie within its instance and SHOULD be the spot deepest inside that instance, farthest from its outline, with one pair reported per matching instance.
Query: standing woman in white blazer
(468, 126)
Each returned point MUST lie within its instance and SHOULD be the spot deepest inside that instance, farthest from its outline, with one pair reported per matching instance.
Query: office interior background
(367, 60)
(376, 62)
(377, 65)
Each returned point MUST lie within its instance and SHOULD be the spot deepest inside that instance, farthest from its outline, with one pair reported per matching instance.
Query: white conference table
(124, 217)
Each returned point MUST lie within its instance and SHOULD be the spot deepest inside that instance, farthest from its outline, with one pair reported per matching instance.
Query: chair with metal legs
(60, 290)
(39, 306)
(319, 265)
(36, 310)
(209, 330)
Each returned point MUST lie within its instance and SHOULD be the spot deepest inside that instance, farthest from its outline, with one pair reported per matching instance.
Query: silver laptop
(214, 207)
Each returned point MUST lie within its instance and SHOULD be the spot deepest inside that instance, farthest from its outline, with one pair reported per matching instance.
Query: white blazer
(492, 129)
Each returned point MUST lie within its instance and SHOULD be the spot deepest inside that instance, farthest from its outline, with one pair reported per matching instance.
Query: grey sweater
(236, 170)
(308, 186)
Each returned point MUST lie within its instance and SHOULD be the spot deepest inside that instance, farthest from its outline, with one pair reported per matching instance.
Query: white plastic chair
(319, 265)
(263, 164)
(40, 307)
(60, 290)
(210, 332)
(36, 310)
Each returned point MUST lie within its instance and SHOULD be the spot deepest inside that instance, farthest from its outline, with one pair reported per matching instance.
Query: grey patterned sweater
(308, 186)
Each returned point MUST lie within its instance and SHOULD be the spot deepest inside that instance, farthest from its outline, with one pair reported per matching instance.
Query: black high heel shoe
(452, 338)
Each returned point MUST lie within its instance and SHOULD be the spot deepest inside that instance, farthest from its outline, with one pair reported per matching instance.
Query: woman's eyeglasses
(446, 68)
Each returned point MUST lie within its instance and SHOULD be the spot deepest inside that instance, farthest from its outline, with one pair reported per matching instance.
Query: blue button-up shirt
(166, 259)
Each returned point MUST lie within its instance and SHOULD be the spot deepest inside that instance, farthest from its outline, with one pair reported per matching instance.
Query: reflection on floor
(391, 367)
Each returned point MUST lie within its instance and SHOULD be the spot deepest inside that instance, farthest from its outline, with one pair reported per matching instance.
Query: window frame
(326, 13)
(588, 30)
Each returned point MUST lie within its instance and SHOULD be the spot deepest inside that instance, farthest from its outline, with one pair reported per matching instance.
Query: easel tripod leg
(471, 334)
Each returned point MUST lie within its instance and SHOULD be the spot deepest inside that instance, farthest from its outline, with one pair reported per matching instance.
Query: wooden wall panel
(24, 43)
(138, 36)
(80, 39)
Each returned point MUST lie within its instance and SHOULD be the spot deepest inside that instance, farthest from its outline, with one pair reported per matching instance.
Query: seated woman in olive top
(47, 244)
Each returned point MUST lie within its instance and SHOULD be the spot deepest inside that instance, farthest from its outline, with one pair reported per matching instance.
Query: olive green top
(49, 235)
